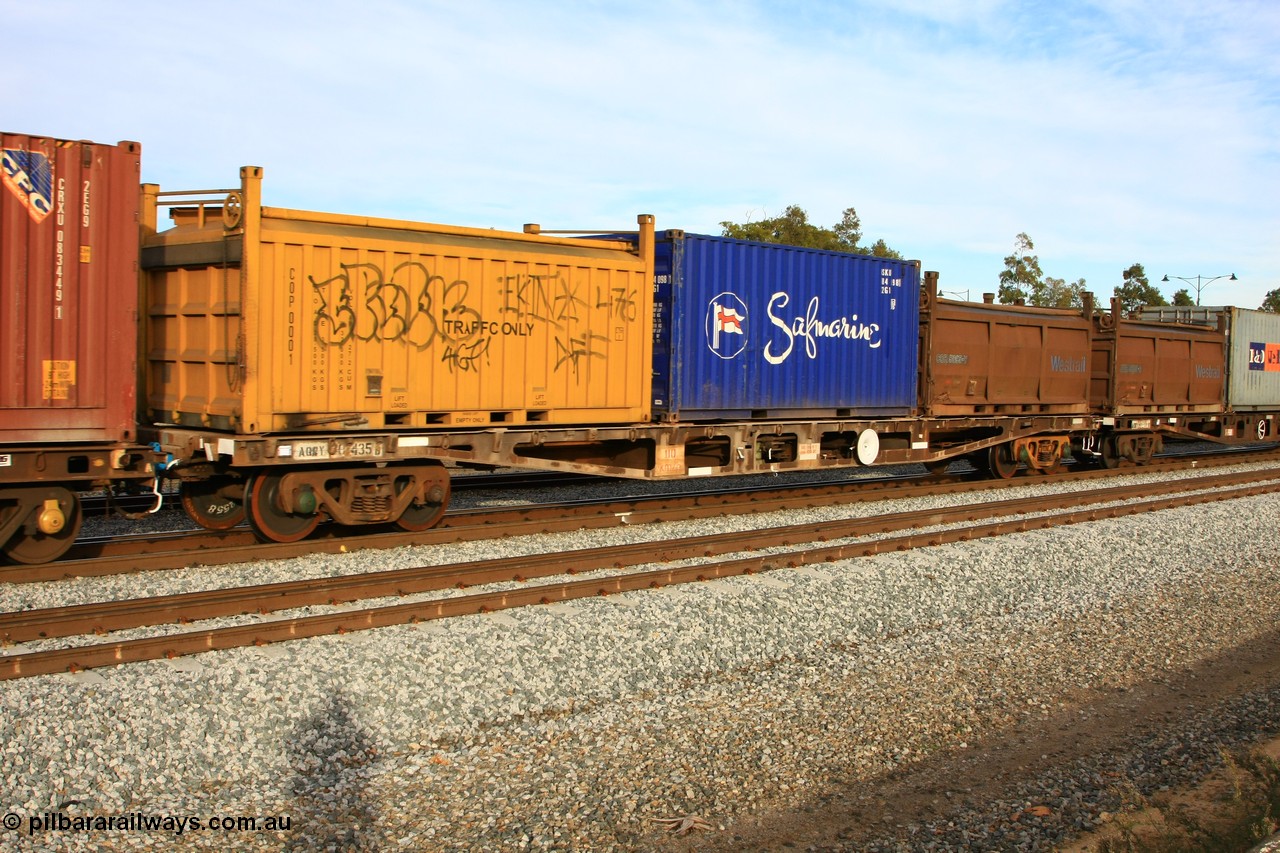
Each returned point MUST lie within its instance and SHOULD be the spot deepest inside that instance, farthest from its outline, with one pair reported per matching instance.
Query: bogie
(288, 506)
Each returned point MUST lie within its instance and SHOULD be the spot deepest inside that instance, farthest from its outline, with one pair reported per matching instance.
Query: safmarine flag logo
(29, 176)
(726, 325)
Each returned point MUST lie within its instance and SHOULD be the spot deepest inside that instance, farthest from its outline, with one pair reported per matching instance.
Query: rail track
(98, 505)
(724, 552)
(150, 551)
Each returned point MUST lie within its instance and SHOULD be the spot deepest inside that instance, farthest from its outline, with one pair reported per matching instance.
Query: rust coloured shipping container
(68, 290)
(985, 359)
(1143, 368)
(262, 319)
(1253, 350)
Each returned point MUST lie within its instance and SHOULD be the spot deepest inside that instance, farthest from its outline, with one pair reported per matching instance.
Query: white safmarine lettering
(811, 329)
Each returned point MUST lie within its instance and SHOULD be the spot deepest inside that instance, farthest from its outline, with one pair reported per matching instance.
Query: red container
(68, 289)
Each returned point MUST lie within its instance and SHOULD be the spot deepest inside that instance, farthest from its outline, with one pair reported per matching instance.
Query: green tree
(880, 249)
(848, 230)
(1021, 277)
(1056, 293)
(1182, 298)
(793, 228)
(1137, 291)
(1271, 302)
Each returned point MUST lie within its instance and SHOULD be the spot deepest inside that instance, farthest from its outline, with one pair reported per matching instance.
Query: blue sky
(1111, 132)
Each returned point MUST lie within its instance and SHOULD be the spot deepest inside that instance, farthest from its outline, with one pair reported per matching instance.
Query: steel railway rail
(1014, 515)
(147, 552)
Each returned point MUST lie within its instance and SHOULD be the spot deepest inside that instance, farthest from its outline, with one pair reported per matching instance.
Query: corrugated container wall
(1253, 351)
(759, 330)
(262, 319)
(1149, 367)
(1000, 359)
(68, 290)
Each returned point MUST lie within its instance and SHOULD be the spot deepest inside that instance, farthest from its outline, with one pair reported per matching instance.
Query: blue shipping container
(759, 330)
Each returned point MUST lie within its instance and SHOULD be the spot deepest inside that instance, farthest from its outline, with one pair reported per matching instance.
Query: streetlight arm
(1201, 282)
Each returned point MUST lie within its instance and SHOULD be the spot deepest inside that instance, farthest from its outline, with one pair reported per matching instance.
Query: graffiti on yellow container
(553, 299)
(576, 350)
(463, 357)
(412, 305)
(620, 304)
(546, 298)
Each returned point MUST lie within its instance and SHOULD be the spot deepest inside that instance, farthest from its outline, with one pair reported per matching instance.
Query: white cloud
(1112, 132)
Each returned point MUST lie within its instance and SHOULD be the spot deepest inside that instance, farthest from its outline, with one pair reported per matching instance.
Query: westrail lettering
(1062, 364)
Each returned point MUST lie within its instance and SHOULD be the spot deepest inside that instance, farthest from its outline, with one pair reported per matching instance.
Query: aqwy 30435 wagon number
(347, 448)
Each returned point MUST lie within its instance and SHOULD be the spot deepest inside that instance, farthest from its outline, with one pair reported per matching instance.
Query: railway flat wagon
(356, 338)
(68, 339)
(747, 330)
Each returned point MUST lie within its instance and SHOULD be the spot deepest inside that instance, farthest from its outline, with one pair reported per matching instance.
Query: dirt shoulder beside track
(1002, 777)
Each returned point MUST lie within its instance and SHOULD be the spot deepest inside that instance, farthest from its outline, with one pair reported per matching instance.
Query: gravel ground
(576, 726)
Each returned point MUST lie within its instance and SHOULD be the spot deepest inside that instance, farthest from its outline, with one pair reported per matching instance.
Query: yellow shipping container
(262, 319)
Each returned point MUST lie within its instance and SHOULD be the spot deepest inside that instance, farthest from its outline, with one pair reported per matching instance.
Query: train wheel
(938, 467)
(1110, 452)
(423, 515)
(50, 530)
(267, 519)
(1000, 459)
(212, 503)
